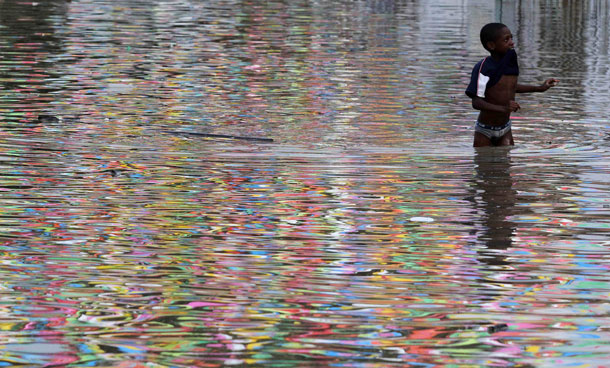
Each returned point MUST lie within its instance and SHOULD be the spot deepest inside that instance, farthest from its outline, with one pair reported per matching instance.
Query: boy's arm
(551, 82)
(480, 104)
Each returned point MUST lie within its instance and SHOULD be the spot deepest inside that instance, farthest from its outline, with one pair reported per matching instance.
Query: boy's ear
(491, 45)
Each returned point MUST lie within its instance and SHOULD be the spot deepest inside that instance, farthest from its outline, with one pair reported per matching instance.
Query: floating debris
(421, 219)
(497, 328)
(221, 136)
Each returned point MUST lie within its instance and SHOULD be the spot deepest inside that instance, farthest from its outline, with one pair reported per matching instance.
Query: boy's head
(490, 33)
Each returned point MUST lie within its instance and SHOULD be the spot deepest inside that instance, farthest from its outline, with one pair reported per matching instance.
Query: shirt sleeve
(478, 82)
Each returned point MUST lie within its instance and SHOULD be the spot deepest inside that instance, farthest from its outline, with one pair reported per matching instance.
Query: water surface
(368, 234)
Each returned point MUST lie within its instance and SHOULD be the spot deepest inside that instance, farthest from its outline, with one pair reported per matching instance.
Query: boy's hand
(513, 106)
(551, 82)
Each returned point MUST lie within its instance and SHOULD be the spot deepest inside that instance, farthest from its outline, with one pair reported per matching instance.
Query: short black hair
(490, 32)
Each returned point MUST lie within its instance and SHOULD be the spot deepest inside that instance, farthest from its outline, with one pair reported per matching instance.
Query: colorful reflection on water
(368, 234)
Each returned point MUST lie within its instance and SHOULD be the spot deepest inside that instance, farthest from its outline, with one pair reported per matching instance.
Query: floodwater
(369, 233)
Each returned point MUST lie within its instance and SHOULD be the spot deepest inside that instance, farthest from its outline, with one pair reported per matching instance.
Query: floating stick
(50, 119)
(224, 136)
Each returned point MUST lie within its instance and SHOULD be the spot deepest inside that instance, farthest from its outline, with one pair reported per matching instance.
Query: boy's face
(503, 42)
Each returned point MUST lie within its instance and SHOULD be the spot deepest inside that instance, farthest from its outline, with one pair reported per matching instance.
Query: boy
(493, 86)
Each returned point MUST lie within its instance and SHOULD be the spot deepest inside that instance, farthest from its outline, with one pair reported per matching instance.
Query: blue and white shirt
(488, 72)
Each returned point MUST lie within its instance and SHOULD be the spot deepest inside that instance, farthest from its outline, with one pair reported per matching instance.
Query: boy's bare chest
(504, 90)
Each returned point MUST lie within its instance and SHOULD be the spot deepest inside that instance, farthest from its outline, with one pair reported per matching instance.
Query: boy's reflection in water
(495, 202)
